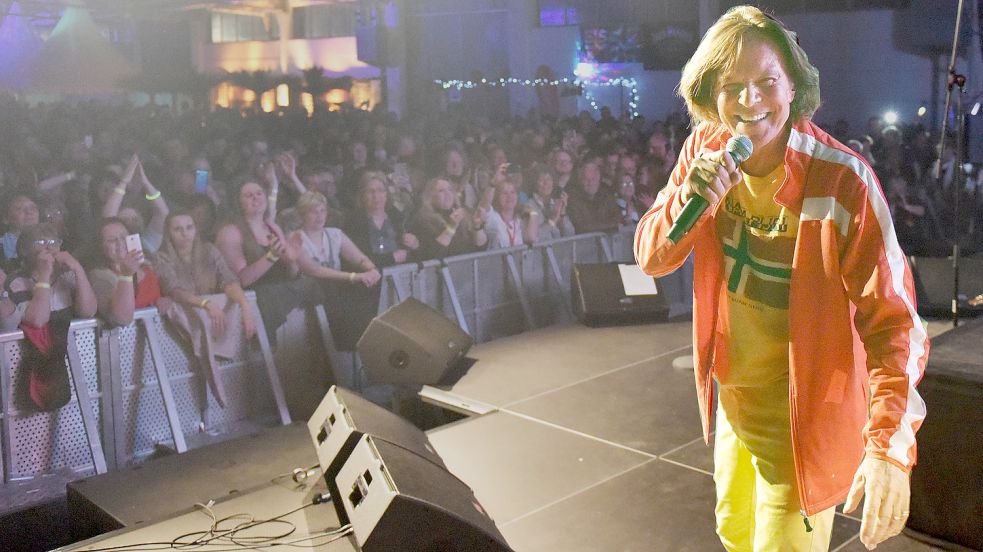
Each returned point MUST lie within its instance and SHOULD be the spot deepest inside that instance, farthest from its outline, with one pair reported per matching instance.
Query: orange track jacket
(853, 326)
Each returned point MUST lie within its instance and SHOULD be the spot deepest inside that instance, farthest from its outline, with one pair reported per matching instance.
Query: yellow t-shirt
(757, 236)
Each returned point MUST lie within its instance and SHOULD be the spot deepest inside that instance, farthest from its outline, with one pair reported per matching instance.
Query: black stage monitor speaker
(946, 496)
(411, 343)
(397, 500)
(343, 417)
(600, 297)
(933, 284)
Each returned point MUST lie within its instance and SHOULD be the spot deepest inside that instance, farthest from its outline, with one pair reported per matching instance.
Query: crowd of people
(920, 194)
(111, 208)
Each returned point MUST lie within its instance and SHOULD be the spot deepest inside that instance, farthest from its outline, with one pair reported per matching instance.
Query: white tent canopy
(77, 59)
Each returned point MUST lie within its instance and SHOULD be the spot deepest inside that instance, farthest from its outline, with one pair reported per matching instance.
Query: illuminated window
(325, 21)
(307, 100)
(267, 102)
(234, 27)
(283, 95)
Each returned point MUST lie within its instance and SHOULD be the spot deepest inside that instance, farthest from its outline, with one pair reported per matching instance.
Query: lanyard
(510, 227)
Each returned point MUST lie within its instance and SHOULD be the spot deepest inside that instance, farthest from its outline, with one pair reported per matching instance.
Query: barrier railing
(138, 387)
(141, 389)
(502, 292)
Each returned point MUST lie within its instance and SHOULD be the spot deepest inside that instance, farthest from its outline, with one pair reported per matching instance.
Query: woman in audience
(253, 245)
(195, 275)
(444, 230)
(258, 253)
(50, 280)
(191, 269)
(626, 201)
(322, 250)
(121, 278)
(454, 170)
(325, 253)
(507, 224)
(376, 230)
(151, 233)
(49, 290)
(551, 211)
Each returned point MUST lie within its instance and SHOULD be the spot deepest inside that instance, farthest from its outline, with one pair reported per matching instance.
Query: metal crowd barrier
(492, 294)
(138, 387)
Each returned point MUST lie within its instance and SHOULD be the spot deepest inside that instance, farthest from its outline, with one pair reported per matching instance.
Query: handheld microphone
(739, 148)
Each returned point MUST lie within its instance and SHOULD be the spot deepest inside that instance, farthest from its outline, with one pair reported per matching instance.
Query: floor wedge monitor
(411, 343)
(397, 500)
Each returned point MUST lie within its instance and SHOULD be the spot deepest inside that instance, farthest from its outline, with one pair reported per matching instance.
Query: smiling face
(506, 197)
(754, 99)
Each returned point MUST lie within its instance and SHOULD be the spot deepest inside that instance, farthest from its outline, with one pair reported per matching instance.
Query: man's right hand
(711, 175)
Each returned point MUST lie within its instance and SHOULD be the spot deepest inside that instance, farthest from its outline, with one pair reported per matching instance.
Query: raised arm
(115, 200)
(157, 202)
(56, 181)
(288, 165)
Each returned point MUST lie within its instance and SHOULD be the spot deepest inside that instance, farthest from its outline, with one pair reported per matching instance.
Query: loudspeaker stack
(388, 482)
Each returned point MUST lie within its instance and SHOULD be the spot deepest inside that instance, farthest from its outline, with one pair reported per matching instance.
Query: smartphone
(133, 243)
(201, 181)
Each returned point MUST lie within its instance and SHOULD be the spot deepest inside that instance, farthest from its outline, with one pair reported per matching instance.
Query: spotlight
(891, 117)
(921, 111)
(585, 70)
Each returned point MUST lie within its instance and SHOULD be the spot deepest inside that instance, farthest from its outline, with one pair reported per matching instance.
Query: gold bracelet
(204, 303)
(351, 277)
(450, 230)
(121, 278)
(270, 256)
(121, 190)
(42, 285)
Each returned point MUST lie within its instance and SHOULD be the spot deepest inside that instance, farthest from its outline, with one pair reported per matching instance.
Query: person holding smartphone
(122, 279)
(253, 245)
(259, 254)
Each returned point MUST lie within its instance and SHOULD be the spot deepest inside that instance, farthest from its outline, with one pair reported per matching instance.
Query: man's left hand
(888, 491)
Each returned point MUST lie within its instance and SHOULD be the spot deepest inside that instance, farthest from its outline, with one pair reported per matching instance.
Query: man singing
(804, 310)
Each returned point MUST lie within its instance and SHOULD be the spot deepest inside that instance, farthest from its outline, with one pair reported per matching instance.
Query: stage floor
(583, 439)
(592, 442)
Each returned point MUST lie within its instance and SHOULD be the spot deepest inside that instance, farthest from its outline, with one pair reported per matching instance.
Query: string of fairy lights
(626, 83)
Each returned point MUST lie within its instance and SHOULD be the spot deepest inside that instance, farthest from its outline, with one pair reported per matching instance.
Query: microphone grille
(740, 148)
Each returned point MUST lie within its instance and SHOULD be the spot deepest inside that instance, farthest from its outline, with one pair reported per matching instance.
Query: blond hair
(309, 200)
(718, 52)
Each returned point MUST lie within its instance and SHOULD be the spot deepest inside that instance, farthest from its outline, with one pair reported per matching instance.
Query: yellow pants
(757, 496)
